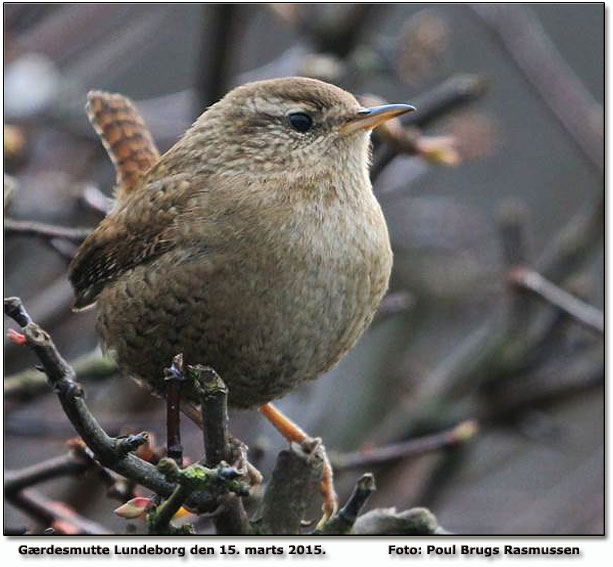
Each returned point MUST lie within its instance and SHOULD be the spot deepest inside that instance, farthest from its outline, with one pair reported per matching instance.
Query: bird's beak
(369, 118)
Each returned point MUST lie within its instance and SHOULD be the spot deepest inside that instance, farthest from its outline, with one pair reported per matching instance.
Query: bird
(255, 245)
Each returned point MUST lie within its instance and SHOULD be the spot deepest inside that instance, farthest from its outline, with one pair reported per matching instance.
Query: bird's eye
(300, 121)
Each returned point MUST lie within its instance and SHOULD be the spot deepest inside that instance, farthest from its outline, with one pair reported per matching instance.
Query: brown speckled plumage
(249, 247)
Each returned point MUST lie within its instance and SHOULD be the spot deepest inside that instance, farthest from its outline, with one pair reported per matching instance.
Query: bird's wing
(123, 133)
(140, 230)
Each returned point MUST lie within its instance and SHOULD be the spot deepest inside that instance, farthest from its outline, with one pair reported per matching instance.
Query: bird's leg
(292, 432)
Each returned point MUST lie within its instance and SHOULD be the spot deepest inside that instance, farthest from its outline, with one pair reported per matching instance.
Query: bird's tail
(127, 140)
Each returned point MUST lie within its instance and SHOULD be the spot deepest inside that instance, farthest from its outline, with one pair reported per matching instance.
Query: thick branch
(232, 519)
(292, 487)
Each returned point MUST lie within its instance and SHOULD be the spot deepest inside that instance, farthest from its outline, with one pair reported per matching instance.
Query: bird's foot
(294, 434)
(326, 487)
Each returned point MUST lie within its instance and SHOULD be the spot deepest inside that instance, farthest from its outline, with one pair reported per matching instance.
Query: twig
(62, 378)
(31, 383)
(64, 465)
(292, 487)
(411, 448)
(348, 514)
(14, 227)
(169, 508)
(173, 380)
(41, 509)
(520, 33)
(530, 280)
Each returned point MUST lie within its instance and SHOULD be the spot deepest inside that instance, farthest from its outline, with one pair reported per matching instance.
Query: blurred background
(498, 174)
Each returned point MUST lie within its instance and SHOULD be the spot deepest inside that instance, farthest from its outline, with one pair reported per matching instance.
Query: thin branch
(31, 383)
(44, 511)
(533, 282)
(64, 465)
(414, 447)
(14, 227)
(520, 33)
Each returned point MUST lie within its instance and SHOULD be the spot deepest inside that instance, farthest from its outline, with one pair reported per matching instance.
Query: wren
(255, 245)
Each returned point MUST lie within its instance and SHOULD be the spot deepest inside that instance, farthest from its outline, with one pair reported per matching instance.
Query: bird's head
(290, 126)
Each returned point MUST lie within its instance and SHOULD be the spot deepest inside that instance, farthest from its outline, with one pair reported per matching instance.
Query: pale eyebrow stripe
(271, 106)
